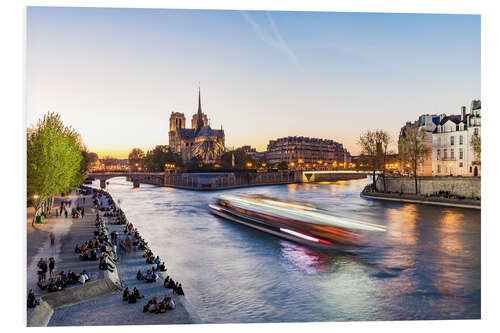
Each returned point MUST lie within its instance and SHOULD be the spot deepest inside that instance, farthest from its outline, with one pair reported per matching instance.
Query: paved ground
(68, 232)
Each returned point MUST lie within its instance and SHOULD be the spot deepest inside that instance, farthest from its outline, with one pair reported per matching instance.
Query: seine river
(425, 266)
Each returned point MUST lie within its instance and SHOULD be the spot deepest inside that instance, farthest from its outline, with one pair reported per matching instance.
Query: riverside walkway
(111, 310)
(98, 302)
(68, 232)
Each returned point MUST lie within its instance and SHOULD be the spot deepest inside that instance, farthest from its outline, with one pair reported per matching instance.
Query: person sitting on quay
(171, 284)
(72, 277)
(139, 275)
(32, 300)
(179, 290)
(166, 281)
(42, 285)
(93, 255)
(162, 307)
(125, 295)
(60, 283)
(82, 278)
(103, 265)
(170, 302)
(157, 260)
(152, 305)
(132, 298)
(162, 267)
(137, 294)
(84, 256)
(87, 275)
(52, 286)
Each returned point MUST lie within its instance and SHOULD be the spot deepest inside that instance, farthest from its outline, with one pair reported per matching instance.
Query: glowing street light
(249, 164)
(35, 196)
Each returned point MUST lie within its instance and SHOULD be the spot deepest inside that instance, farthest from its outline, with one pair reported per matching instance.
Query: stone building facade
(304, 150)
(199, 141)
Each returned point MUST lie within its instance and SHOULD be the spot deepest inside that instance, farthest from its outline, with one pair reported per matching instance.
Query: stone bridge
(135, 177)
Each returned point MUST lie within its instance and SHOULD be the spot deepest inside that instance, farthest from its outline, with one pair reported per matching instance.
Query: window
(439, 154)
(470, 169)
(461, 139)
(476, 131)
(461, 154)
(445, 154)
(452, 140)
(461, 164)
(452, 154)
(439, 169)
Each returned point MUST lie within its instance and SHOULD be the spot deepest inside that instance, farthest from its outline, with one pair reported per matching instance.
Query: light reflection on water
(426, 266)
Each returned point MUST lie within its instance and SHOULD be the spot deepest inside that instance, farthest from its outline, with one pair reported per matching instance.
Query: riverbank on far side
(420, 199)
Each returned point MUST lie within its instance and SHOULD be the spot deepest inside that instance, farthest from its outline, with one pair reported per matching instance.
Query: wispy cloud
(274, 40)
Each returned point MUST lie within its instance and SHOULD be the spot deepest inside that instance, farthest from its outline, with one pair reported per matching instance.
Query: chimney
(462, 113)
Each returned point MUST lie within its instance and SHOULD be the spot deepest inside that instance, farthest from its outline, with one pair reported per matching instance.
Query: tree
(413, 150)
(240, 159)
(373, 147)
(54, 160)
(156, 159)
(135, 158)
(475, 142)
(383, 140)
(282, 166)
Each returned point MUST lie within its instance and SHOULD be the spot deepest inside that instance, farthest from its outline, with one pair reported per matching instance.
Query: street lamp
(35, 196)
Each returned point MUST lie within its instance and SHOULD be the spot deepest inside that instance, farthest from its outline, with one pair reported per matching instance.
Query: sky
(115, 75)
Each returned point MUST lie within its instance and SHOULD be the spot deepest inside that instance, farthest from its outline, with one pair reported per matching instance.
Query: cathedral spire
(199, 118)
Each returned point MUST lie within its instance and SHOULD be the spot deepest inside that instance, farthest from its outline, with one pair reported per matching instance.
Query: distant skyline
(115, 75)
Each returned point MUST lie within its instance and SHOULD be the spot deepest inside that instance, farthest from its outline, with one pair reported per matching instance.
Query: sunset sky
(115, 75)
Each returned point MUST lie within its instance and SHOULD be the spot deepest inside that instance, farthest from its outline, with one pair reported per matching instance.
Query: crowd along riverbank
(99, 301)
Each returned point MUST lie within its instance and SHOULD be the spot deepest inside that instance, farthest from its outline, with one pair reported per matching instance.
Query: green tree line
(57, 160)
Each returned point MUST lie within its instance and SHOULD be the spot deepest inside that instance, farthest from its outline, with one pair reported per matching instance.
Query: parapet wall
(469, 187)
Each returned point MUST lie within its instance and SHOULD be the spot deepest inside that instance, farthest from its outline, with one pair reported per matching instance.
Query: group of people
(62, 280)
(167, 303)
(176, 287)
(44, 267)
(131, 297)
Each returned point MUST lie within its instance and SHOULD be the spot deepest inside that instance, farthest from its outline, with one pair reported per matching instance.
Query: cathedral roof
(207, 131)
(187, 133)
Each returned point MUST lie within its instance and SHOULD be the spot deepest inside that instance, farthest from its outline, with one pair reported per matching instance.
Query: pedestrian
(52, 239)
(65, 213)
(44, 270)
(52, 266)
(83, 212)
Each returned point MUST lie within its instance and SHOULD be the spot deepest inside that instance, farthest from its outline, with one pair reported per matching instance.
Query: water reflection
(426, 266)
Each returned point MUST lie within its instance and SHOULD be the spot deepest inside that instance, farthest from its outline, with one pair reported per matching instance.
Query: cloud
(274, 40)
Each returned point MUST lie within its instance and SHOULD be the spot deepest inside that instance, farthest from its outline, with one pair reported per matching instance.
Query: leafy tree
(476, 146)
(87, 159)
(156, 159)
(373, 149)
(240, 159)
(195, 162)
(135, 158)
(282, 165)
(413, 150)
(54, 159)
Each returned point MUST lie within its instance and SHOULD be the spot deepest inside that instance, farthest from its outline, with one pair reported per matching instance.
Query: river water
(425, 266)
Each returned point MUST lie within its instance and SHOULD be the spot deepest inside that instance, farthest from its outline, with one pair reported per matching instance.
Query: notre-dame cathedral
(198, 141)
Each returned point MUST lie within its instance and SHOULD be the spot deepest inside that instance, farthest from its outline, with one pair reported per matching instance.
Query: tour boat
(299, 222)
